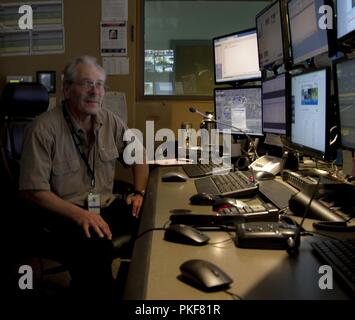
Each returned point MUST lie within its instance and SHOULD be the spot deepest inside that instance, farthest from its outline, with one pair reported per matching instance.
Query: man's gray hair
(70, 69)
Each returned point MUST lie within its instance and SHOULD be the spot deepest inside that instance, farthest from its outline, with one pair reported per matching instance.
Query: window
(177, 47)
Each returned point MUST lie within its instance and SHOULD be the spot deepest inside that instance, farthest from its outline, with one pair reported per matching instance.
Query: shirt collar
(97, 120)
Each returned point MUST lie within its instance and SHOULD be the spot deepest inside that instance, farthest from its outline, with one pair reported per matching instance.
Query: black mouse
(264, 175)
(174, 177)
(204, 275)
(203, 199)
(180, 233)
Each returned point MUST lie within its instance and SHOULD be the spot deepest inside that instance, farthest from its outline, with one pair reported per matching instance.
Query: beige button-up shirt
(50, 160)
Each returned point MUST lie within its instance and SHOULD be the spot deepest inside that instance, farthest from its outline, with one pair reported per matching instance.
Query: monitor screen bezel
(336, 99)
(285, 34)
(327, 154)
(239, 80)
(331, 36)
(238, 135)
(287, 101)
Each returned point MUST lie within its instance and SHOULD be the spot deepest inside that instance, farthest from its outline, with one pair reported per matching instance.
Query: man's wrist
(139, 192)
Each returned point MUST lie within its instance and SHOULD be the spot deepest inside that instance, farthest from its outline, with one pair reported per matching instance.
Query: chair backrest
(20, 103)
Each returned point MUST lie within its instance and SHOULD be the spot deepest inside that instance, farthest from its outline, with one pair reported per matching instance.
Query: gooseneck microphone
(194, 110)
(211, 118)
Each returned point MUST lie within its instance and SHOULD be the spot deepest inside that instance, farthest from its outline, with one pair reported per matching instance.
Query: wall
(82, 36)
(196, 20)
(81, 18)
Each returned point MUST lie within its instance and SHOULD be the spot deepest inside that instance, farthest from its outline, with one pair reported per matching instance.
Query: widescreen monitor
(273, 42)
(239, 109)
(308, 40)
(345, 19)
(236, 57)
(310, 95)
(274, 104)
(345, 92)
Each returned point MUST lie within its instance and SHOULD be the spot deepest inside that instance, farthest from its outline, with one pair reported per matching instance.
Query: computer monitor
(273, 36)
(274, 104)
(236, 57)
(345, 19)
(308, 40)
(310, 94)
(345, 91)
(239, 108)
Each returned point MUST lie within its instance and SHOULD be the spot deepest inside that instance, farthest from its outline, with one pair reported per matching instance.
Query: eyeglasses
(90, 84)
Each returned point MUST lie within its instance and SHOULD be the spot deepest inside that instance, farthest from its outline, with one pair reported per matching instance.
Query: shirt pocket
(65, 167)
(107, 155)
(106, 166)
(67, 178)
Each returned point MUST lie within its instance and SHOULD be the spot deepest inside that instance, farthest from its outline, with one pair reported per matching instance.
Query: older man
(67, 169)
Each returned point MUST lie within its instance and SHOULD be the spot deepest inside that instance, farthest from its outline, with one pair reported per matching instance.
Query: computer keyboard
(340, 255)
(230, 184)
(277, 192)
(201, 170)
(266, 212)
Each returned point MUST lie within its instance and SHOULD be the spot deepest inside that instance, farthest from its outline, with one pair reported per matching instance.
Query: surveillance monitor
(274, 104)
(273, 35)
(345, 20)
(310, 119)
(345, 93)
(236, 57)
(309, 33)
(239, 110)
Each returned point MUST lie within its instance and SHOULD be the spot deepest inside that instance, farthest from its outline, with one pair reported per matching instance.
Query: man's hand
(89, 219)
(136, 200)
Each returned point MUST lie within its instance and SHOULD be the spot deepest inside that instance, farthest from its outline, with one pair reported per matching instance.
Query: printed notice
(114, 10)
(114, 38)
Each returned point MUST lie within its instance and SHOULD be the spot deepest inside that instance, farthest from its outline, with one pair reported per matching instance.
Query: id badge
(94, 202)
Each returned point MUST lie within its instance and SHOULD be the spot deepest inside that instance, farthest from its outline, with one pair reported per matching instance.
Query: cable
(233, 295)
(146, 231)
(214, 244)
(296, 241)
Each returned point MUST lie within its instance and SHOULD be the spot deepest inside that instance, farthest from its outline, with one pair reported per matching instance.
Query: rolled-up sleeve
(36, 160)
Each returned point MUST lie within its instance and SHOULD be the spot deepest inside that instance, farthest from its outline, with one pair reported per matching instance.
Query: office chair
(20, 103)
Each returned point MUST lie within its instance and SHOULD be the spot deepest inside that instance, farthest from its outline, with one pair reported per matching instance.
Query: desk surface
(256, 274)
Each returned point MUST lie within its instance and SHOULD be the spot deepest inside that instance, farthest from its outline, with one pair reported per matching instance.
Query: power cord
(152, 229)
(233, 295)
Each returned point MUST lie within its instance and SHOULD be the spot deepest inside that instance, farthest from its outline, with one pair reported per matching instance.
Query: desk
(257, 274)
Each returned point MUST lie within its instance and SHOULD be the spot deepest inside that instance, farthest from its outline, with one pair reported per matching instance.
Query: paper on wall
(116, 65)
(113, 38)
(114, 9)
(116, 102)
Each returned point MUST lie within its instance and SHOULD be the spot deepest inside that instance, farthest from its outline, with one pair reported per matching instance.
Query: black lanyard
(77, 142)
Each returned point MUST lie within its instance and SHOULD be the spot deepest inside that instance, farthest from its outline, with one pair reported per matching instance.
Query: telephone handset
(267, 163)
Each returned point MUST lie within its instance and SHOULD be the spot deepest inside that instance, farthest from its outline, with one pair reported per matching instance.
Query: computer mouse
(222, 203)
(203, 199)
(174, 177)
(204, 275)
(264, 175)
(180, 233)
